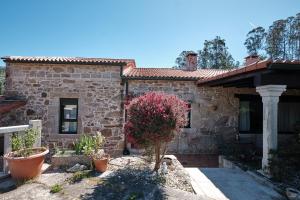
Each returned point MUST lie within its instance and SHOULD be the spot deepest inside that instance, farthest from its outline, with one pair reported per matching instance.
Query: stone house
(84, 95)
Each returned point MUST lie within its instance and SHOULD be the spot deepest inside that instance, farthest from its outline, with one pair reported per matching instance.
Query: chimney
(190, 61)
(251, 59)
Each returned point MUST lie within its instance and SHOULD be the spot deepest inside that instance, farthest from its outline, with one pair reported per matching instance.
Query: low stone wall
(68, 159)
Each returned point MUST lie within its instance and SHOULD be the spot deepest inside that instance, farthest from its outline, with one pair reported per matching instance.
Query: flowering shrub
(154, 119)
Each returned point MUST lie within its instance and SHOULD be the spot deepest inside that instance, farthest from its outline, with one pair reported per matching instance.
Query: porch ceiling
(261, 73)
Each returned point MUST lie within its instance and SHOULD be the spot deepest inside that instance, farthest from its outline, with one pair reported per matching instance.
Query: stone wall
(97, 87)
(214, 113)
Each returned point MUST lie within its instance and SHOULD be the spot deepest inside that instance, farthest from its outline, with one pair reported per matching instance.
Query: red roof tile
(167, 73)
(259, 65)
(68, 60)
(8, 105)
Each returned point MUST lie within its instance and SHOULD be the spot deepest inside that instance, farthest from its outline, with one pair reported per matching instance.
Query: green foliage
(78, 176)
(84, 144)
(30, 137)
(16, 142)
(26, 140)
(280, 41)
(255, 40)
(214, 55)
(285, 162)
(181, 60)
(56, 188)
(88, 144)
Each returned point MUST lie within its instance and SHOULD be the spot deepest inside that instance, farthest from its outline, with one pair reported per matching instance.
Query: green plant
(16, 142)
(27, 140)
(285, 162)
(99, 141)
(56, 188)
(78, 176)
(84, 145)
(30, 137)
(88, 144)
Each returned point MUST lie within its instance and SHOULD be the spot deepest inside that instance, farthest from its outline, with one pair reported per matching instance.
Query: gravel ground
(176, 178)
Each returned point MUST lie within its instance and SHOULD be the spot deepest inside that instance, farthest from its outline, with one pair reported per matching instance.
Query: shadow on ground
(128, 184)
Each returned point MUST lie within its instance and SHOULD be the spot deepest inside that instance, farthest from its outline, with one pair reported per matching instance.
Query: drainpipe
(125, 150)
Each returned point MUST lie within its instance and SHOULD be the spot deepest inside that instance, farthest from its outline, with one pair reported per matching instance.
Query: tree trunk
(157, 156)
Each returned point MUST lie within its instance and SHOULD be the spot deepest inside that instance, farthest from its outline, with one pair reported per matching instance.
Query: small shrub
(56, 188)
(285, 162)
(153, 120)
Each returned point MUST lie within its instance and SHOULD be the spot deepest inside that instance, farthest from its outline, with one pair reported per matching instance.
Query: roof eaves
(61, 61)
(160, 78)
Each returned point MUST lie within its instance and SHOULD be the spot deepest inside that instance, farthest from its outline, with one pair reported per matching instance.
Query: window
(188, 124)
(251, 111)
(250, 117)
(68, 116)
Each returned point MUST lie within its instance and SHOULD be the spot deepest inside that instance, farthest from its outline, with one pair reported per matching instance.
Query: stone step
(3, 175)
(203, 186)
(7, 185)
(45, 167)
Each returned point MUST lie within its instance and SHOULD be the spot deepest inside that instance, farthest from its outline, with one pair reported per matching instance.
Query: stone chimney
(191, 61)
(251, 59)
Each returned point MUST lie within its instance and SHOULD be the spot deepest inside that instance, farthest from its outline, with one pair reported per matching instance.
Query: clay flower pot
(101, 163)
(24, 168)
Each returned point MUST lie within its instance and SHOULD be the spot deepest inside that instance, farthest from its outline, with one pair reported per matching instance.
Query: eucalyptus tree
(255, 41)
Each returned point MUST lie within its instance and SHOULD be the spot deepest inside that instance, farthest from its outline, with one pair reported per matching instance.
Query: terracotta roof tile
(68, 60)
(8, 105)
(162, 73)
(256, 66)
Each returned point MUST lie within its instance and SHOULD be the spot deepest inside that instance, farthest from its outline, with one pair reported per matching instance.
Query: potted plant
(25, 162)
(96, 153)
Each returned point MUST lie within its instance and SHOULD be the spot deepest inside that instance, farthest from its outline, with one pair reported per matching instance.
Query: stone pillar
(270, 98)
(37, 125)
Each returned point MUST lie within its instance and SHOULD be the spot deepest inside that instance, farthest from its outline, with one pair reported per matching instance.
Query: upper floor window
(68, 116)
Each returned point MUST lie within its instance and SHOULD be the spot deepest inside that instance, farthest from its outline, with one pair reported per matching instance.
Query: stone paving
(233, 184)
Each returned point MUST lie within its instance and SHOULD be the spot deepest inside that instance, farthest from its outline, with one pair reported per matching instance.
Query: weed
(56, 188)
(78, 176)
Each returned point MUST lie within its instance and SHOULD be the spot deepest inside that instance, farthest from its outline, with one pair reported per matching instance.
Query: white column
(270, 98)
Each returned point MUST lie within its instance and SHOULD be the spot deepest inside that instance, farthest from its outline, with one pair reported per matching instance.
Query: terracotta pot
(26, 167)
(101, 164)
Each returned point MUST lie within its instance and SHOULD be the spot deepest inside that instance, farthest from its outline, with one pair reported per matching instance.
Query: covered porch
(269, 107)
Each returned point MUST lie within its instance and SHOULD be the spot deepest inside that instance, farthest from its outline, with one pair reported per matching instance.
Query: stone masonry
(97, 87)
(214, 113)
(100, 91)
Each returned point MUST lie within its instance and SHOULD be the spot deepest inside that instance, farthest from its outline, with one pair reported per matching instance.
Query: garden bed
(128, 177)
(176, 178)
(68, 158)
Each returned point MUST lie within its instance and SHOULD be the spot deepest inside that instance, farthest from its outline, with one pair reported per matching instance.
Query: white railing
(9, 130)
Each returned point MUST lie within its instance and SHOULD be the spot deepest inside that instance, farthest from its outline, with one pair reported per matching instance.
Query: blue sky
(152, 32)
